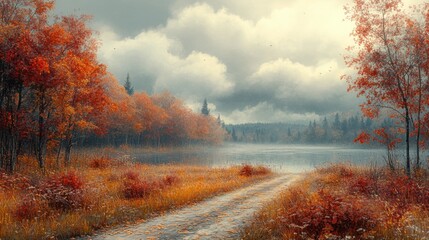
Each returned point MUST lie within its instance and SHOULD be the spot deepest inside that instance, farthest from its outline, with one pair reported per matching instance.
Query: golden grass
(105, 203)
(402, 217)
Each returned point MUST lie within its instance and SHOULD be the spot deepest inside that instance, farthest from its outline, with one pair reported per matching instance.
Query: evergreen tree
(234, 135)
(127, 85)
(205, 109)
(337, 123)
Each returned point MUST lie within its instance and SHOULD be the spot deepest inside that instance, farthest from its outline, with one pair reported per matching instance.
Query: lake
(282, 158)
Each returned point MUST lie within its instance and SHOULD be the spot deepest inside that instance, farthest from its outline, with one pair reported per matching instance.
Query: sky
(254, 61)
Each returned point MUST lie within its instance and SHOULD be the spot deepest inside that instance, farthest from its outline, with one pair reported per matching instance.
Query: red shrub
(136, 188)
(341, 169)
(170, 180)
(15, 181)
(130, 175)
(63, 192)
(328, 214)
(100, 163)
(248, 170)
(363, 185)
(28, 209)
(404, 191)
(139, 188)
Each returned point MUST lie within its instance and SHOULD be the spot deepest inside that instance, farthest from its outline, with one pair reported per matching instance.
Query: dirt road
(221, 217)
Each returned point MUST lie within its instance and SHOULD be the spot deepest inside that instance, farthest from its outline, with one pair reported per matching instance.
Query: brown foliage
(64, 192)
(249, 170)
(100, 163)
(134, 187)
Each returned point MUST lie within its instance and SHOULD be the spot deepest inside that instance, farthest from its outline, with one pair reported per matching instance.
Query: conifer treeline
(338, 130)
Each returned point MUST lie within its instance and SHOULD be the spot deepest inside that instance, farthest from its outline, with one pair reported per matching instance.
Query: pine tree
(127, 85)
(234, 135)
(205, 109)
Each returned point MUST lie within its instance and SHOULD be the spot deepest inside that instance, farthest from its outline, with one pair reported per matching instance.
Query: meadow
(342, 201)
(98, 192)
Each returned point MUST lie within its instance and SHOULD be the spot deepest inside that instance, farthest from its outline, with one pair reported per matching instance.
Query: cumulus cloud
(156, 65)
(265, 61)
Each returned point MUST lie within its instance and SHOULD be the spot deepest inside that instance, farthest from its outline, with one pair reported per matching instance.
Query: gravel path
(221, 217)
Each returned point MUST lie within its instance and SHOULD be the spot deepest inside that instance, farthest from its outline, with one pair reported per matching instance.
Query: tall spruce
(127, 85)
(205, 109)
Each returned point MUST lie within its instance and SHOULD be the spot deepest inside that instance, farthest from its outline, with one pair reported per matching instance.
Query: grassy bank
(98, 192)
(345, 202)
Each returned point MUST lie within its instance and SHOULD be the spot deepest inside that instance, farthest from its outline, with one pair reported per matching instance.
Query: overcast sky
(254, 61)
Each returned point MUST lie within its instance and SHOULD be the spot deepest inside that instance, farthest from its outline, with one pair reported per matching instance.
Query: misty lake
(282, 158)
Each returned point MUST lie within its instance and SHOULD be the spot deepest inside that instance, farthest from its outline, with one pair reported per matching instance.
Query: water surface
(284, 158)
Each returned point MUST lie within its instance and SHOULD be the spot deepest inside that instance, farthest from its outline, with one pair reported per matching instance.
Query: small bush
(261, 170)
(325, 214)
(139, 188)
(134, 187)
(248, 170)
(133, 176)
(100, 163)
(28, 208)
(15, 181)
(341, 169)
(170, 180)
(363, 185)
(404, 191)
(63, 192)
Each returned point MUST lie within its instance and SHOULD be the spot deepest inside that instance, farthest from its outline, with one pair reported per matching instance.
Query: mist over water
(281, 158)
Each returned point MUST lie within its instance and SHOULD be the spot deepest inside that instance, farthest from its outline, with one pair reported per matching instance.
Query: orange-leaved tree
(388, 64)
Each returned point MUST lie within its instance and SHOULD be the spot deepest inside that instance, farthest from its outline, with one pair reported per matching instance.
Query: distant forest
(339, 130)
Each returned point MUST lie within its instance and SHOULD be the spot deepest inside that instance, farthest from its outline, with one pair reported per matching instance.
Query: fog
(281, 158)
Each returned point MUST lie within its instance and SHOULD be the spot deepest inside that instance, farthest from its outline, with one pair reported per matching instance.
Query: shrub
(248, 170)
(405, 191)
(341, 169)
(261, 170)
(363, 185)
(130, 175)
(138, 189)
(100, 163)
(326, 214)
(29, 208)
(170, 180)
(15, 181)
(134, 187)
(63, 192)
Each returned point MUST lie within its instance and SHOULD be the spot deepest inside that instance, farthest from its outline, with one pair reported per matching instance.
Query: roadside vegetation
(345, 202)
(97, 192)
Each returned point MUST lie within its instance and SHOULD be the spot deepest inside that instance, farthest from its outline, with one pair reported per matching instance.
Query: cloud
(256, 61)
(265, 111)
(153, 54)
(298, 88)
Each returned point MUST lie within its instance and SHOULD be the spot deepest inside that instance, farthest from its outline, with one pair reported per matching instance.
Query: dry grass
(346, 202)
(27, 212)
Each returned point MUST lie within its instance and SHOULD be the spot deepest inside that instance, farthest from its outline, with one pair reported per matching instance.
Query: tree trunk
(67, 151)
(59, 153)
(41, 143)
(407, 125)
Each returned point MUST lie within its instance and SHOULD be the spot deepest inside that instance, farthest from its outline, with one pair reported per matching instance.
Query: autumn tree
(21, 23)
(50, 84)
(82, 96)
(388, 63)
